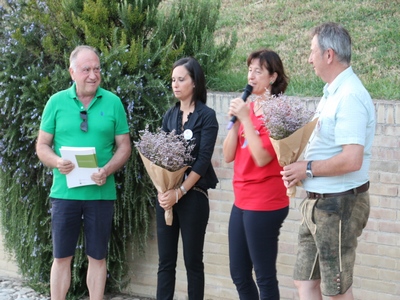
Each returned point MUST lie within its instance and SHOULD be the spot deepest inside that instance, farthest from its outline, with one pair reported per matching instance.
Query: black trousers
(253, 244)
(190, 218)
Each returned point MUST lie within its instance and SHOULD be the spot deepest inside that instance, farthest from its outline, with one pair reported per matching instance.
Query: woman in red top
(261, 204)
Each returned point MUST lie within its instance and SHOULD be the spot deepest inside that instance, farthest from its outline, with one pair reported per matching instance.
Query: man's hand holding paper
(84, 161)
(65, 166)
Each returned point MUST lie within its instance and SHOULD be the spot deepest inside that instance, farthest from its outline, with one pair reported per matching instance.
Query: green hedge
(138, 42)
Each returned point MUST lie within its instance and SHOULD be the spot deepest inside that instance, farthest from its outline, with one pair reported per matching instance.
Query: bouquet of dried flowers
(284, 115)
(166, 157)
(167, 150)
(288, 123)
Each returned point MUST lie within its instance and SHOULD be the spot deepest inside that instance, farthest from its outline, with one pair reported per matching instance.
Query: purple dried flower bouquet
(166, 157)
(284, 115)
(167, 150)
(288, 123)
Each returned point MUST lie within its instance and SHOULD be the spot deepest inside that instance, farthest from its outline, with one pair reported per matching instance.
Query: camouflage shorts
(328, 240)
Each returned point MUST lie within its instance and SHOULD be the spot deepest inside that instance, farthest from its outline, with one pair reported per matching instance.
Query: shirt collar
(330, 89)
(72, 93)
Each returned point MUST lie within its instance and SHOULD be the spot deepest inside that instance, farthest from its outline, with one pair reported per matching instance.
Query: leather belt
(195, 188)
(361, 189)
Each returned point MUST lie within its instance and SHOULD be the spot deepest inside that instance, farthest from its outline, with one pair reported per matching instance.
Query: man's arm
(121, 155)
(47, 156)
(349, 160)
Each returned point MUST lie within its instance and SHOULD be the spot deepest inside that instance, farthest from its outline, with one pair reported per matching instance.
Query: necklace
(259, 106)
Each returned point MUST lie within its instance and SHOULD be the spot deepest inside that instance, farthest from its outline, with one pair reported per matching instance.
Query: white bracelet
(177, 196)
(184, 191)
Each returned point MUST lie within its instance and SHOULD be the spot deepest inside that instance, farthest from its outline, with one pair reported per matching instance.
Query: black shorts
(67, 217)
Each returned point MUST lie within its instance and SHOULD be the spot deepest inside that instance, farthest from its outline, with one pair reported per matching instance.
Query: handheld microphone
(246, 93)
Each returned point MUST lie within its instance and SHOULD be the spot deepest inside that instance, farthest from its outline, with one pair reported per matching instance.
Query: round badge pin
(187, 134)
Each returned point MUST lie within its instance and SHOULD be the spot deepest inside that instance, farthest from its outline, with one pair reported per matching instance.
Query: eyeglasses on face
(84, 124)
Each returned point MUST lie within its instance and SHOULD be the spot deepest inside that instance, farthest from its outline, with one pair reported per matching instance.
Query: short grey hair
(334, 36)
(75, 52)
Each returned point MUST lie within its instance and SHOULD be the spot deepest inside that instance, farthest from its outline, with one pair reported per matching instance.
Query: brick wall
(377, 272)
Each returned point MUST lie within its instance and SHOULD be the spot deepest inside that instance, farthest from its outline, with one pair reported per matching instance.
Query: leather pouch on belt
(306, 209)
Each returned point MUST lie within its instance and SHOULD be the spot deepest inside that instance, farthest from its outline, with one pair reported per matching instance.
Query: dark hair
(334, 36)
(273, 63)
(196, 73)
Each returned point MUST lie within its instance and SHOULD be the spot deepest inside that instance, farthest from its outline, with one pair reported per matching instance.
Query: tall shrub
(137, 50)
(192, 24)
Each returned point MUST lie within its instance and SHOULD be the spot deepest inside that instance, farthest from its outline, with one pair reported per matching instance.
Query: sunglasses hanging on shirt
(84, 124)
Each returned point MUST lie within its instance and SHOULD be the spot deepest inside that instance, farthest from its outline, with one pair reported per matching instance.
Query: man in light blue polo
(334, 172)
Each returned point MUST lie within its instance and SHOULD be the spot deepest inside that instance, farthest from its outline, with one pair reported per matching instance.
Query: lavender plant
(284, 115)
(136, 61)
(167, 150)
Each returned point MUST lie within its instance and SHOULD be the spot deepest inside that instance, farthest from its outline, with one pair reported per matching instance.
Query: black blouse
(204, 125)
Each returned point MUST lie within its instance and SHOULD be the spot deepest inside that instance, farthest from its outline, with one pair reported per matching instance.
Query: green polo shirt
(106, 119)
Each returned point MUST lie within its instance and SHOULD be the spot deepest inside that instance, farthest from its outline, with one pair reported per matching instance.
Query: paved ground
(14, 289)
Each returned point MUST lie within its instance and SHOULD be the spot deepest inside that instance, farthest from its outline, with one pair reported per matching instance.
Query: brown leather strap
(361, 189)
(197, 189)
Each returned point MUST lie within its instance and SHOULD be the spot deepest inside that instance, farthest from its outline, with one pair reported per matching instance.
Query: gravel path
(16, 289)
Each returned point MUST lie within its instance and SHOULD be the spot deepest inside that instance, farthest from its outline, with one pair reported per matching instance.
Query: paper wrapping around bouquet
(289, 149)
(164, 180)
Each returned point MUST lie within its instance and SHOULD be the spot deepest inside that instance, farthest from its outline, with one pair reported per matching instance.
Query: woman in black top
(194, 119)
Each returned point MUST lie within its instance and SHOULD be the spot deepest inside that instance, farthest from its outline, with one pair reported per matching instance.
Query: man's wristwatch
(308, 171)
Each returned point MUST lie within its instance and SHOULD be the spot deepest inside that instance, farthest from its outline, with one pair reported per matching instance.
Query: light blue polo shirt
(346, 116)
